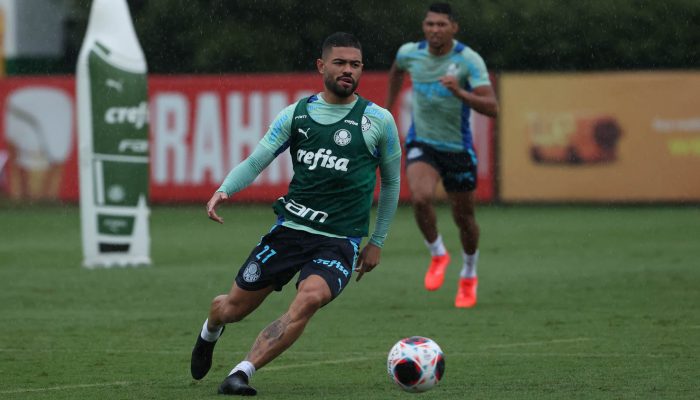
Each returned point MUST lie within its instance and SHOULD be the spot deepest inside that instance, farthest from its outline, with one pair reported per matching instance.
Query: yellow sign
(631, 137)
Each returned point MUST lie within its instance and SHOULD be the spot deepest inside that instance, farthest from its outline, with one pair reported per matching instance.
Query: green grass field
(575, 303)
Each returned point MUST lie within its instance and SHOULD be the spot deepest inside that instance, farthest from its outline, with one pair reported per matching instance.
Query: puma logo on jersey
(304, 132)
(323, 158)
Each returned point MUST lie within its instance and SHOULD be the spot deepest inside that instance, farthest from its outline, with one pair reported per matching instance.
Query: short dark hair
(340, 39)
(442, 8)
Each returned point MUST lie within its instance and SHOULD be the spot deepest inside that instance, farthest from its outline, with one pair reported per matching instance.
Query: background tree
(221, 36)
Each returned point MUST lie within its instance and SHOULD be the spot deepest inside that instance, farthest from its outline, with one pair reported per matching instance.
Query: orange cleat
(466, 292)
(436, 272)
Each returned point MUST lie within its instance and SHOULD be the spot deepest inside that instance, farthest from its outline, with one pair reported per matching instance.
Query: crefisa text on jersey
(325, 156)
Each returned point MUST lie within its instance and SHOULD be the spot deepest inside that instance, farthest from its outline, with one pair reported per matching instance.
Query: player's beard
(339, 90)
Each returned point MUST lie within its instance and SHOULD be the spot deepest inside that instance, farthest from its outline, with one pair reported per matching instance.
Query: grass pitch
(574, 303)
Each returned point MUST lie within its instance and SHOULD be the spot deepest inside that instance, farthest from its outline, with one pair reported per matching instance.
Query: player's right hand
(217, 198)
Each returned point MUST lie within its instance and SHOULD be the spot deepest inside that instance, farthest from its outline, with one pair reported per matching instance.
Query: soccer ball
(416, 364)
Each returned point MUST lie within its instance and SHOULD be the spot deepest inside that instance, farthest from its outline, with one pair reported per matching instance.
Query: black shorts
(284, 251)
(457, 169)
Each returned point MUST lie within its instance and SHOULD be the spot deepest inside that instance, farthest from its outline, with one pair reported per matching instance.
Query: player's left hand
(451, 83)
(367, 260)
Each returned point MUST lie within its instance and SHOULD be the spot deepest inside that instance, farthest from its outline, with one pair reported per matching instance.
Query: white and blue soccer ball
(416, 364)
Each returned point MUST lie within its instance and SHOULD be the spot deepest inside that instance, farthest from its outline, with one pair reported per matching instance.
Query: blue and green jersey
(440, 119)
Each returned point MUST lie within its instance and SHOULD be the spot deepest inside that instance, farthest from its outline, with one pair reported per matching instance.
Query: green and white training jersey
(440, 119)
(327, 159)
(334, 173)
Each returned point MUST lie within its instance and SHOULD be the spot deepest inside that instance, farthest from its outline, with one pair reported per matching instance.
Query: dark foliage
(219, 36)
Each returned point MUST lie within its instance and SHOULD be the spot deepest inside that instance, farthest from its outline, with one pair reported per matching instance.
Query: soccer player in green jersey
(449, 80)
(337, 140)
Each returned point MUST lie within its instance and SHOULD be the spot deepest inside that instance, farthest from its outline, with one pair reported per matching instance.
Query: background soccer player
(336, 140)
(448, 79)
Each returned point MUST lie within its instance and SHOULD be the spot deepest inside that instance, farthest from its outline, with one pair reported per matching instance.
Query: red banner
(201, 127)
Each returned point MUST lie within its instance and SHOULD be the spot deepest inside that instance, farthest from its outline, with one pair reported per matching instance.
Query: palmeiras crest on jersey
(342, 137)
(252, 273)
(366, 124)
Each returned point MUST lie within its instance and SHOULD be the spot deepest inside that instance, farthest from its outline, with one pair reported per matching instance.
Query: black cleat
(237, 383)
(202, 356)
